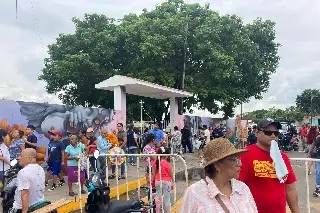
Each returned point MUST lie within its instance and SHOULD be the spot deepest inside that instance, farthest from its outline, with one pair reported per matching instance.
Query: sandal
(72, 194)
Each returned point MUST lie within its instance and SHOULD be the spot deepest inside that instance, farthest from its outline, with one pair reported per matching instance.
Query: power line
(37, 26)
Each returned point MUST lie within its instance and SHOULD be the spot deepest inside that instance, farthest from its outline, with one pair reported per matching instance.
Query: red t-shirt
(165, 171)
(303, 132)
(258, 172)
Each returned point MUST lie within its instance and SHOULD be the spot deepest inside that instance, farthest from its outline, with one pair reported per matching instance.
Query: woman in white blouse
(219, 191)
(4, 155)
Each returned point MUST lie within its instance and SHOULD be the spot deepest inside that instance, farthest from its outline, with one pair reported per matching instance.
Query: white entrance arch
(121, 85)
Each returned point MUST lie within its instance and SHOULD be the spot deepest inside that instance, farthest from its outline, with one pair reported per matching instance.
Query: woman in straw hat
(219, 191)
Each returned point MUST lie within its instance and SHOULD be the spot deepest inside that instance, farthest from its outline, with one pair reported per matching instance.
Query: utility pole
(241, 111)
(141, 118)
(183, 70)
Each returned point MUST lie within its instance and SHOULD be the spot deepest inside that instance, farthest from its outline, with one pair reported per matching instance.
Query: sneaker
(46, 183)
(316, 192)
(53, 188)
(61, 183)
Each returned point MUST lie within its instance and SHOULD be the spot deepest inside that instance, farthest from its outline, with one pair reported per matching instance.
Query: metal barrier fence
(306, 161)
(158, 156)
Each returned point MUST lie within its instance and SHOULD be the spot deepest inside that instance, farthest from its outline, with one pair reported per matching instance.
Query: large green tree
(186, 46)
(292, 114)
(309, 101)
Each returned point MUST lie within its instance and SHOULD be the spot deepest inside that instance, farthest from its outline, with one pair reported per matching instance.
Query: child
(163, 195)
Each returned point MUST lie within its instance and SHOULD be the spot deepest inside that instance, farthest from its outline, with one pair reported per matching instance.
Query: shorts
(54, 167)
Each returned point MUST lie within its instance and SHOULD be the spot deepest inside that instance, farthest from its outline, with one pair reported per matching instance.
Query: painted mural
(193, 123)
(45, 117)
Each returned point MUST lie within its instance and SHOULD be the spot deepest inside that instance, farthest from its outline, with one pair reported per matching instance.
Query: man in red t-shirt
(258, 172)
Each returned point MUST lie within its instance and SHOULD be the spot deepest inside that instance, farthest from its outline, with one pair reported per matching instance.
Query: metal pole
(311, 108)
(241, 111)
(141, 121)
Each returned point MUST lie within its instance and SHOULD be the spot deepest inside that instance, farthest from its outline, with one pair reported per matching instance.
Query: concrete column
(120, 102)
(173, 113)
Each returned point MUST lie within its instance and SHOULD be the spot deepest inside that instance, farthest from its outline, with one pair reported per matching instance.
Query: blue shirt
(158, 134)
(103, 145)
(55, 149)
(74, 152)
(32, 139)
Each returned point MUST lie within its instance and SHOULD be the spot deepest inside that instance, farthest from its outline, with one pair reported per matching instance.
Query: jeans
(102, 166)
(93, 163)
(133, 159)
(163, 197)
(317, 165)
(122, 168)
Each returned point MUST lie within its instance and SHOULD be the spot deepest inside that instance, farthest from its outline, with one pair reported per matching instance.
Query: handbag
(223, 206)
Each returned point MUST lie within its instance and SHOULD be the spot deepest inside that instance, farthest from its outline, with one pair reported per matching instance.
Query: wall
(194, 122)
(45, 117)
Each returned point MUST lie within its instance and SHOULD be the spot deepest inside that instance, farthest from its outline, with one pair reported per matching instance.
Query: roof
(141, 88)
(205, 114)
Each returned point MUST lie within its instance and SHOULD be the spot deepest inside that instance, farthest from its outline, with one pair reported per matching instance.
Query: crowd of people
(237, 180)
(64, 152)
(244, 180)
(310, 136)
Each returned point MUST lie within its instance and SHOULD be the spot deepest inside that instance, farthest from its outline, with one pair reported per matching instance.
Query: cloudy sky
(23, 41)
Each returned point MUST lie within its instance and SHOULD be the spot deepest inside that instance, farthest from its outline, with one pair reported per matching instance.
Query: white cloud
(23, 42)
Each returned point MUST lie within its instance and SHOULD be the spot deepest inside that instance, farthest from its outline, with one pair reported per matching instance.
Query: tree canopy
(309, 101)
(179, 45)
(292, 114)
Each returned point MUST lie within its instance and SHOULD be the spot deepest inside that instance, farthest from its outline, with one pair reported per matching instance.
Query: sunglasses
(269, 132)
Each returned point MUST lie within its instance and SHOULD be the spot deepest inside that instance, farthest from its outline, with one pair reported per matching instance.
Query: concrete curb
(176, 207)
(74, 205)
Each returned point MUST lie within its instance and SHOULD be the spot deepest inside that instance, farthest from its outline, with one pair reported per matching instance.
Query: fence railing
(306, 162)
(158, 156)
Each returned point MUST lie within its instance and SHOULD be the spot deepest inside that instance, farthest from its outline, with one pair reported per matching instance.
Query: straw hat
(218, 149)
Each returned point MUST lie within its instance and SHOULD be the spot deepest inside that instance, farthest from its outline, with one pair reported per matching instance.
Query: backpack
(130, 139)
